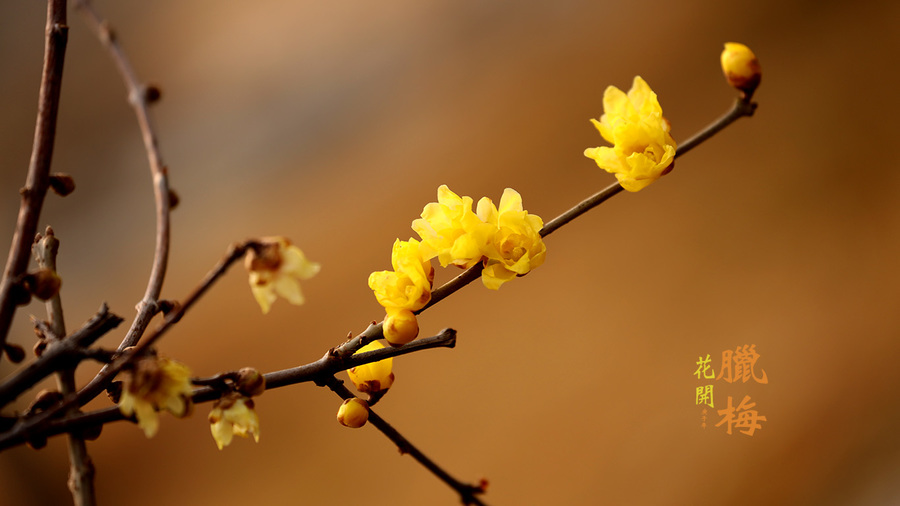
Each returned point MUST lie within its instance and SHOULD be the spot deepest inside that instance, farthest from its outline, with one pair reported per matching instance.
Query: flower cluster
(506, 239)
(643, 150)
(276, 268)
(156, 383)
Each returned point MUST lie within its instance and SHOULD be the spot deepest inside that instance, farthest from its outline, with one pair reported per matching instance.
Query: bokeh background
(333, 123)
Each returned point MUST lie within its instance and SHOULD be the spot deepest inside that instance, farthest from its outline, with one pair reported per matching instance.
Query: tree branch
(467, 493)
(319, 371)
(81, 469)
(38, 179)
(139, 97)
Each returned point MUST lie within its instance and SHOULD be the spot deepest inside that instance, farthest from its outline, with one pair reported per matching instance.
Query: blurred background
(333, 123)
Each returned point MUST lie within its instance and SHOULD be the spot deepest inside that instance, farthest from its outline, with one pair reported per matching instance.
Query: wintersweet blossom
(233, 415)
(276, 269)
(408, 286)
(445, 228)
(374, 376)
(643, 150)
(156, 383)
(512, 244)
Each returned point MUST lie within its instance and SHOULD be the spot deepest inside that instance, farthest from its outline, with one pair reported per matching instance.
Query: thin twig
(38, 179)
(59, 355)
(81, 469)
(318, 371)
(467, 493)
(138, 98)
(34, 424)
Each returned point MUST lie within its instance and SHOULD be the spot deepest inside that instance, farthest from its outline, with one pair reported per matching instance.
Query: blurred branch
(742, 107)
(38, 179)
(467, 493)
(81, 469)
(59, 355)
(140, 97)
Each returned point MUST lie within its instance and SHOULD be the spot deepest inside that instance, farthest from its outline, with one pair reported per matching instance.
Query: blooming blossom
(233, 415)
(156, 383)
(276, 269)
(513, 245)
(643, 150)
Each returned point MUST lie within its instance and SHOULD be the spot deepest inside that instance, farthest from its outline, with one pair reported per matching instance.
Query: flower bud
(250, 382)
(400, 327)
(62, 184)
(43, 284)
(374, 376)
(353, 413)
(741, 68)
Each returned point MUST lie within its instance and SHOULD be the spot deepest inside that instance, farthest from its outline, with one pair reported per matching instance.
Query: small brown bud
(39, 347)
(43, 400)
(152, 94)
(37, 442)
(92, 433)
(174, 199)
(43, 284)
(166, 306)
(14, 353)
(114, 391)
(62, 184)
(250, 382)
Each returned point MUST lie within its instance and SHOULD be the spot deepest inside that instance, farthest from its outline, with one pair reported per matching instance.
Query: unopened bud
(400, 327)
(152, 94)
(14, 352)
(353, 413)
(741, 68)
(174, 199)
(43, 284)
(62, 184)
(250, 382)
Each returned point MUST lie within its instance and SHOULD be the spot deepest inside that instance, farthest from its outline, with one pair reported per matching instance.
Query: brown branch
(319, 371)
(38, 179)
(468, 494)
(59, 355)
(139, 98)
(81, 469)
(28, 428)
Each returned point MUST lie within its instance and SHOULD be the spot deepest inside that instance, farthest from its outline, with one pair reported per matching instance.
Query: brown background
(334, 123)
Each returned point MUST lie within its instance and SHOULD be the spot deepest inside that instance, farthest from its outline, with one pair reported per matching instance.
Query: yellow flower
(642, 148)
(374, 376)
(445, 228)
(276, 269)
(513, 244)
(353, 413)
(156, 383)
(408, 286)
(233, 415)
(741, 67)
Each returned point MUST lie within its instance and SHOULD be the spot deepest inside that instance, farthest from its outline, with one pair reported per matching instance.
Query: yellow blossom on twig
(512, 244)
(445, 228)
(156, 383)
(741, 68)
(276, 269)
(643, 150)
(233, 415)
